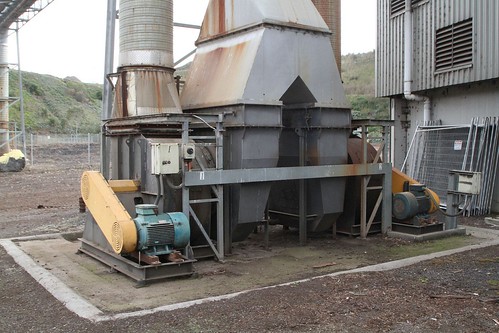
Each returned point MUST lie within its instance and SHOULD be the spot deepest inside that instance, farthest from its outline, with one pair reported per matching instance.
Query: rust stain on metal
(120, 98)
(355, 151)
(124, 95)
(355, 169)
(313, 154)
(232, 23)
(230, 63)
(158, 93)
(221, 16)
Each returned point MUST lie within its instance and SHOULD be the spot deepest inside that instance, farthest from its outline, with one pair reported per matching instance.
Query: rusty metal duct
(270, 66)
(145, 74)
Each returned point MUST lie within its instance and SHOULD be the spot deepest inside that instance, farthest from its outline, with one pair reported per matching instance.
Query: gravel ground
(457, 293)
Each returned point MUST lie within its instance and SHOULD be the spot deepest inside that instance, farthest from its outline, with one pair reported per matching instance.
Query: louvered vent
(398, 6)
(160, 234)
(454, 46)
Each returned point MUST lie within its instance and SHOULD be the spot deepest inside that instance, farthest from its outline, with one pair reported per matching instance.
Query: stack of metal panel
(437, 149)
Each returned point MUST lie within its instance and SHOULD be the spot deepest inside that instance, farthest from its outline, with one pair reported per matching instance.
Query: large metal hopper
(270, 65)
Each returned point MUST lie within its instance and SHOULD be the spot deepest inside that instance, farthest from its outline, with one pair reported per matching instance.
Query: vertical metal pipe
(302, 190)
(386, 214)
(88, 148)
(387, 158)
(21, 98)
(451, 218)
(363, 187)
(107, 92)
(4, 93)
(32, 140)
(408, 48)
(408, 65)
(185, 190)
(220, 190)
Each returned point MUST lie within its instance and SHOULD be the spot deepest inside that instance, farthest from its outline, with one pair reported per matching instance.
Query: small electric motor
(160, 234)
(411, 206)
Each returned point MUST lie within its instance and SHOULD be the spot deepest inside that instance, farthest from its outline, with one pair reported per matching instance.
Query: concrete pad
(93, 291)
(103, 287)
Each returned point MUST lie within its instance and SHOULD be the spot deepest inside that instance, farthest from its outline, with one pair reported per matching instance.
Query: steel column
(302, 189)
(220, 190)
(386, 212)
(452, 204)
(4, 93)
(21, 98)
(107, 90)
(363, 188)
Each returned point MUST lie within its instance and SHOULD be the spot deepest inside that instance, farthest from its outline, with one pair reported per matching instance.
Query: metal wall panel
(389, 55)
(428, 17)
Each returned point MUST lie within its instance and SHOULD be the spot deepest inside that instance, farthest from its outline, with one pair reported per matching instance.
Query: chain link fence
(437, 149)
(82, 149)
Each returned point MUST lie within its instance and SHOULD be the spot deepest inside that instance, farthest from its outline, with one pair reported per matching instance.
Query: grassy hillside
(358, 78)
(54, 105)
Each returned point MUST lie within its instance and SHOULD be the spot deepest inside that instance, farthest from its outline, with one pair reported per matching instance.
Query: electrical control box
(189, 152)
(466, 182)
(469, 183)
(165, 158)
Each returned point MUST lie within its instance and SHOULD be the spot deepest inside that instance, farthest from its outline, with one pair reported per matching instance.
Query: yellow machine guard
(107, 210)
(398, 180)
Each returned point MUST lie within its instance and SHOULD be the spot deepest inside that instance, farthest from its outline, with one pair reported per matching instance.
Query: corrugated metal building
(442, 53)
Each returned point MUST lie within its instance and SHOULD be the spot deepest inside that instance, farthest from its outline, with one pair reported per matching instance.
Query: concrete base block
(428, 236)
(492, 221)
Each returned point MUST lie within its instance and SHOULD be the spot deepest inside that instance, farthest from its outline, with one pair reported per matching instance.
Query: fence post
(31, 138)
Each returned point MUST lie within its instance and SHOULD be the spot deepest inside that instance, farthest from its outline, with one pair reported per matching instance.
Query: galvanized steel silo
(145, 74)
(146, 33)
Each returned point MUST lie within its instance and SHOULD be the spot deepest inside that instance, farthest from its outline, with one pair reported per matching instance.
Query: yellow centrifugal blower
(109, 213)
(412, 201)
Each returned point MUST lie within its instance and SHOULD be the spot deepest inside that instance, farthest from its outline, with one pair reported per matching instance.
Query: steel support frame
(241, 176)
(385, 194)
(217, 189)
(140, 273)
(219, 178)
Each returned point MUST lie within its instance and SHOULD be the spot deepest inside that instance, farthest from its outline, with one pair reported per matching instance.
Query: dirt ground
(458, 293)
